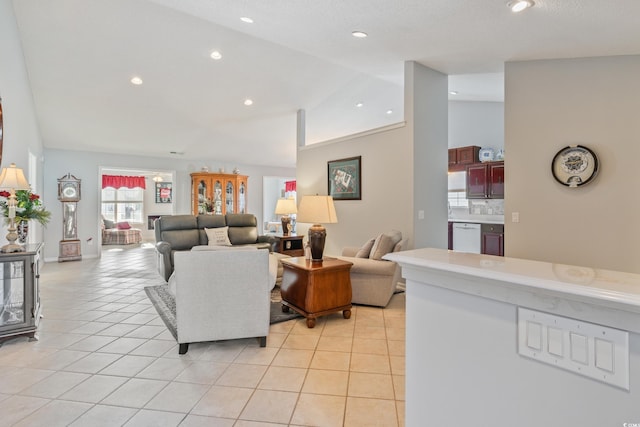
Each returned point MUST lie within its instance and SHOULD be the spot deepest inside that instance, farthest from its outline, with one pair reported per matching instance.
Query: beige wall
(387, 186)
(549, 105)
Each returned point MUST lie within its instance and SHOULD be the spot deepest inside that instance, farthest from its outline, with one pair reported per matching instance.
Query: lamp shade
(286, 206)
(317, 210)
(12, 178)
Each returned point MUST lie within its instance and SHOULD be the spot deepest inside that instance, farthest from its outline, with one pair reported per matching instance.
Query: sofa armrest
(371, 266)
(164, 264)
(270, 240)
(350, 251)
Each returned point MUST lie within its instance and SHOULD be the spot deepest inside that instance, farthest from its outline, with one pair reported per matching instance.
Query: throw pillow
(124, 225)
(365, 250)
(384, 244)
(108, 224)
(218, 236)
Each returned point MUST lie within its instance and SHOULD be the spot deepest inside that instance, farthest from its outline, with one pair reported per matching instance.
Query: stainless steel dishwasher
(467, 237)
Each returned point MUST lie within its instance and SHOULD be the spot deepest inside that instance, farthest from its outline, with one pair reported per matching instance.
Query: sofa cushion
(365, 250)
(384, 244)
(123, 225)
(218, 236)
(108, 224)
(181, 240)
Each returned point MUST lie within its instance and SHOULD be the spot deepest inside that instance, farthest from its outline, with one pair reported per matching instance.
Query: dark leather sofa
(183, 232)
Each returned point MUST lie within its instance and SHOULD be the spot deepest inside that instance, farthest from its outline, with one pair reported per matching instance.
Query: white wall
(476, 123)
(387, 186)
(21, 133)
(86, 166)
(549, 105)
(426, 93)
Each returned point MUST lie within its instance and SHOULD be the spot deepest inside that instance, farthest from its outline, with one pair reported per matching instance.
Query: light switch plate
(587, 349)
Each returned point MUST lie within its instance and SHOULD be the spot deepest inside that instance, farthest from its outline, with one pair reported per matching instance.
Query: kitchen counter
(480, 220)
(470, 345)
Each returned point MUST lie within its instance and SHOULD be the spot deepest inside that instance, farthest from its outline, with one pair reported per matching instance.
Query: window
(124, 204)
(458, 199)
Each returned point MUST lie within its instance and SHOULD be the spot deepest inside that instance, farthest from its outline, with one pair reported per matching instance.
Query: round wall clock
(574, 166)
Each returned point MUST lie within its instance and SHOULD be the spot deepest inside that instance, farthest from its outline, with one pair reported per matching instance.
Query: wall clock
(574, 165)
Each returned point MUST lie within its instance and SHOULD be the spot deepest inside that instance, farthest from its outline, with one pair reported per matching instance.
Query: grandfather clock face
(68, 188)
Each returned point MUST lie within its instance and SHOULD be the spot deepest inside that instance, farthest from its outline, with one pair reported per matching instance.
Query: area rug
(165, 305)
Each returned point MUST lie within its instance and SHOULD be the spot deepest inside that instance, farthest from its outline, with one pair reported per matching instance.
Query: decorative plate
(486, 154)
(574, 166)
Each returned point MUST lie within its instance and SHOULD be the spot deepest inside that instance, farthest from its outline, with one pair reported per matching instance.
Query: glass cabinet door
(202, 197)
(217, 198)
(229, 197)
(12, 293)
(242, 198)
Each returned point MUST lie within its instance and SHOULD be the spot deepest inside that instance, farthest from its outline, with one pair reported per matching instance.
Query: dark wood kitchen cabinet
(493, 239)
(460, 157)
(485, 181)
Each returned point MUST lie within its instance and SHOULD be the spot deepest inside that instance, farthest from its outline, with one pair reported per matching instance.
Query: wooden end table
(290, 244)
(315, 289)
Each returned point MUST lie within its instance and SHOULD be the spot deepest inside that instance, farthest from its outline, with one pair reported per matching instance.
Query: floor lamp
(12, 179)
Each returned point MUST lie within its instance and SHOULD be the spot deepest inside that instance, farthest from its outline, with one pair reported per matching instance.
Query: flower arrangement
(28, 206)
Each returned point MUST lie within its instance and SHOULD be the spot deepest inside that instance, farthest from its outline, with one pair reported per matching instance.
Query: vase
(23, 231)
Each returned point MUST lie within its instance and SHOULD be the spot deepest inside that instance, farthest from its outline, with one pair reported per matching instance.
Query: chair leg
(263, 341)
(183, 348)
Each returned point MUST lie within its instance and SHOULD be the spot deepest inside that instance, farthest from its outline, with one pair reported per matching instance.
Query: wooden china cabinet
(225, 192)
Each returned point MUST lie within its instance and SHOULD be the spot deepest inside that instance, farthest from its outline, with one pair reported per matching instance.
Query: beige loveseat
(182, 232)
(374, 280)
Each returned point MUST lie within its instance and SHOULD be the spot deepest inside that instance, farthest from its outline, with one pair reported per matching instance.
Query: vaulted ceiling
(296, 55)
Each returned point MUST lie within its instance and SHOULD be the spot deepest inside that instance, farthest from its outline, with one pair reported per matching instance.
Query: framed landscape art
(344, 176)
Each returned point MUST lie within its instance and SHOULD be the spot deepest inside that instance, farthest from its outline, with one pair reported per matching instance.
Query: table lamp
(12, 179)
(285, 207)
(316, 210)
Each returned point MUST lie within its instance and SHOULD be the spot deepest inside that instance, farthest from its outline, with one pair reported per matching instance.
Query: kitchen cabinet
(493, 239)
(485, 181)
(460, 157)
(218, 193)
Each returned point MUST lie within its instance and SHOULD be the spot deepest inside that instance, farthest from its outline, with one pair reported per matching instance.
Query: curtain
(119, 181)
(289, 186)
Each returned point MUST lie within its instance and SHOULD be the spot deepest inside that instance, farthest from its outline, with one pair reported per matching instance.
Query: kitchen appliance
(467, 237)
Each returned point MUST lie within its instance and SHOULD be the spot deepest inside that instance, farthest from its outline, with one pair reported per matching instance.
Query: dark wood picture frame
(164, 192)
(344, 178)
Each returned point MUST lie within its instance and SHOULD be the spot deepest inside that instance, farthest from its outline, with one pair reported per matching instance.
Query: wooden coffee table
(314, 289)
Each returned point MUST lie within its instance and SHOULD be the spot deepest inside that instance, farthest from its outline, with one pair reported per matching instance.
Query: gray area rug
(165, 305)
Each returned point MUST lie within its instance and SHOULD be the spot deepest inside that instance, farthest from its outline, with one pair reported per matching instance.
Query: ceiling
(297, 55)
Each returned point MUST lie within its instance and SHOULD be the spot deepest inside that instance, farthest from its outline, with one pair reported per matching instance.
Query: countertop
(608, 287)
(480, 220)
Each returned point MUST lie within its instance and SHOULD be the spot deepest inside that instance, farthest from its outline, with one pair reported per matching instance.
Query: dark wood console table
(316, 289)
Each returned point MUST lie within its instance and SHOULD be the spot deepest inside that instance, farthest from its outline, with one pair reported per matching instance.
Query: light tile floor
(105, 358)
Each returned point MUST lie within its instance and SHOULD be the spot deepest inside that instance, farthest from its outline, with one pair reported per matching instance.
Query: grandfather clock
(69, 195)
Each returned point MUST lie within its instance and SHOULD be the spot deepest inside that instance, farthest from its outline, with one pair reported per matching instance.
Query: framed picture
(163, 192)
(344, 177)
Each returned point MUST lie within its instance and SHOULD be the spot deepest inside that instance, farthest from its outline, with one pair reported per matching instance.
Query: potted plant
(28, 206)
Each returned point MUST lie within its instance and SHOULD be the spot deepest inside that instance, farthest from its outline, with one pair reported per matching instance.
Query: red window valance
(289, 186)
(119, 181)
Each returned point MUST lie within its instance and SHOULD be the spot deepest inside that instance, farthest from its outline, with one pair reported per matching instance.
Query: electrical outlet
(515, 216)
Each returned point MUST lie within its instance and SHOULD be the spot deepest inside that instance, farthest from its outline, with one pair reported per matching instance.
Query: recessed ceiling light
(389, 111)
(453, 92)
(359, 104)
(247, 20)
(248, 102)
(216, 55)
(520, 5)
(136, 81)
(359, 34)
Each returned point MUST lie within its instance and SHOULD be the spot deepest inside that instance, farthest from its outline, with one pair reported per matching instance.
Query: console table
(19, 292)
(315, 289)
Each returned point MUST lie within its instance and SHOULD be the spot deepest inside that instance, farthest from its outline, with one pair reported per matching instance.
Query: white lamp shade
(317, 210)
(286, 206)
(12, 178)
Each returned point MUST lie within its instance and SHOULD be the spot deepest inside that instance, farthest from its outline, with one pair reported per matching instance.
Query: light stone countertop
(609, 288)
